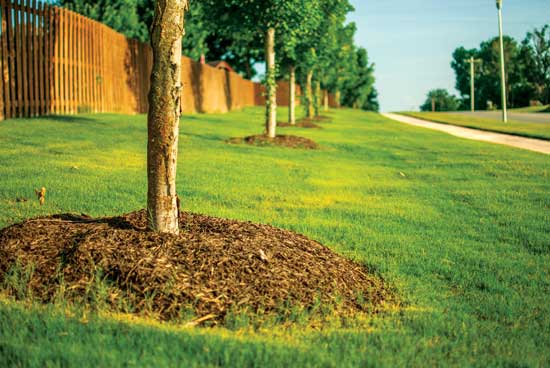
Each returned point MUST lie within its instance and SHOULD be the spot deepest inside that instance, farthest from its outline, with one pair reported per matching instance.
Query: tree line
(313, 44)
(527, 74)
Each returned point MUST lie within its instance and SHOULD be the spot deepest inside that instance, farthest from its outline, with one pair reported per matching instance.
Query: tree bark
(292, 96)
(271, 84)
(325, 104)
(317, 98)
(309, 99)
(163, 116)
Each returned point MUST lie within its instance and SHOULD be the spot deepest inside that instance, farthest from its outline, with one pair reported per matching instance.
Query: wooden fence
(55, 61)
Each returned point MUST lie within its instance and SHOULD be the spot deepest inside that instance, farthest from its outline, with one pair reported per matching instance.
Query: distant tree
(133, 18)
(270, 18)
(164, 114)
(535, 56)
(328, 46)
(527, 70)
(121, 15)
(442, 99)
(372, 104)
(358, 89)
(241, 50)
(293, 47)
(488, 72)
(462, 75)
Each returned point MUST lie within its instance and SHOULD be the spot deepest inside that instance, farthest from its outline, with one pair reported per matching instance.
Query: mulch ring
(290, 141)
(299, 124)
(213, 266)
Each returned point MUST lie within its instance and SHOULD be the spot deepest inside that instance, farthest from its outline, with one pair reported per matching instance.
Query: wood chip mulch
(289, 141)
(214, 265)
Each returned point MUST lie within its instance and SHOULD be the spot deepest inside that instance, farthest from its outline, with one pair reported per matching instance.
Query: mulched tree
(288, 49)
(320, 55)
(308, 60)
(343, 61)
(329, 47)
(271, 18)
(164, 114)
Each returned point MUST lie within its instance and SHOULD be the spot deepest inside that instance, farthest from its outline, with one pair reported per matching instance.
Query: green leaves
(527, 70)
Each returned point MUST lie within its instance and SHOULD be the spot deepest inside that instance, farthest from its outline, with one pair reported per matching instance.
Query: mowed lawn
(460, 228)
(519, 128)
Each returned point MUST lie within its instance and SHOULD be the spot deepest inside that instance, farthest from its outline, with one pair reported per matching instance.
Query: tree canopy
(442, 100)
(527, 70)
(311, 35)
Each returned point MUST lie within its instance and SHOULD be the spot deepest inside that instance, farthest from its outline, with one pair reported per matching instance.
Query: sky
(411, 41)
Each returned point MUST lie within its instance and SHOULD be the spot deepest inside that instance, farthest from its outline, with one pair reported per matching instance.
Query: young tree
(308, 59)
(358, 88)
(289, 47)
(328, 47)
(164, 113)
(271, 18)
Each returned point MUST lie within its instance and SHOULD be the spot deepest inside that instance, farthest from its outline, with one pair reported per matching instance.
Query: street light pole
(472, 87)
(472, 62)
(502, 71)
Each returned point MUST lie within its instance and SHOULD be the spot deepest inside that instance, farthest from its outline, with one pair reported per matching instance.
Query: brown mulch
(213, 266)
(290, 141)
(299, 124)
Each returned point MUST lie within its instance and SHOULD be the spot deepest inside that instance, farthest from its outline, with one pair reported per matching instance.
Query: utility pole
(502, 70)
(433, 104)
(472, 62)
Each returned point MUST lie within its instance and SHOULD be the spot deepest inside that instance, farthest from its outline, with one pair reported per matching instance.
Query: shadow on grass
(206, 137)
(72, 119)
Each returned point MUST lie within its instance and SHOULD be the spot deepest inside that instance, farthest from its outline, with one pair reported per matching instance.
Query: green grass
(460, 228)
(533, 109)
(519, 128)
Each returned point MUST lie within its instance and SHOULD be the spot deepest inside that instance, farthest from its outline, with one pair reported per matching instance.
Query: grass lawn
(544, 108)
(460, 228)
(524, 129)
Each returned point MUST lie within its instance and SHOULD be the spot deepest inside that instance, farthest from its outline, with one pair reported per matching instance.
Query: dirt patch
(290, 141)
(215, 265)
(299, 124)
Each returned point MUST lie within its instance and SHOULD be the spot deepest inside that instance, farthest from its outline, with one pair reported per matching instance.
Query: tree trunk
(271, 84)
(309, 99)
(163, 117)
(325, 103)
(337, 97)
(317, 98)
(292, 96)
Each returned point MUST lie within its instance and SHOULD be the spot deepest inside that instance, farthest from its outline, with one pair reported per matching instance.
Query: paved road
(543, 118)
(531, 144)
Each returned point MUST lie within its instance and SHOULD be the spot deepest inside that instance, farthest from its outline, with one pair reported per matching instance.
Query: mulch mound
(213, 266)
(299, 124)
(290, 141)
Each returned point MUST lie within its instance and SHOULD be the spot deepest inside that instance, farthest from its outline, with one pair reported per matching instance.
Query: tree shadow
(70, 119)
(228, 91)
(196, 85)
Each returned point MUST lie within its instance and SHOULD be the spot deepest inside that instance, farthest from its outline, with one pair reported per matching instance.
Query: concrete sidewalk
(531, 144)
